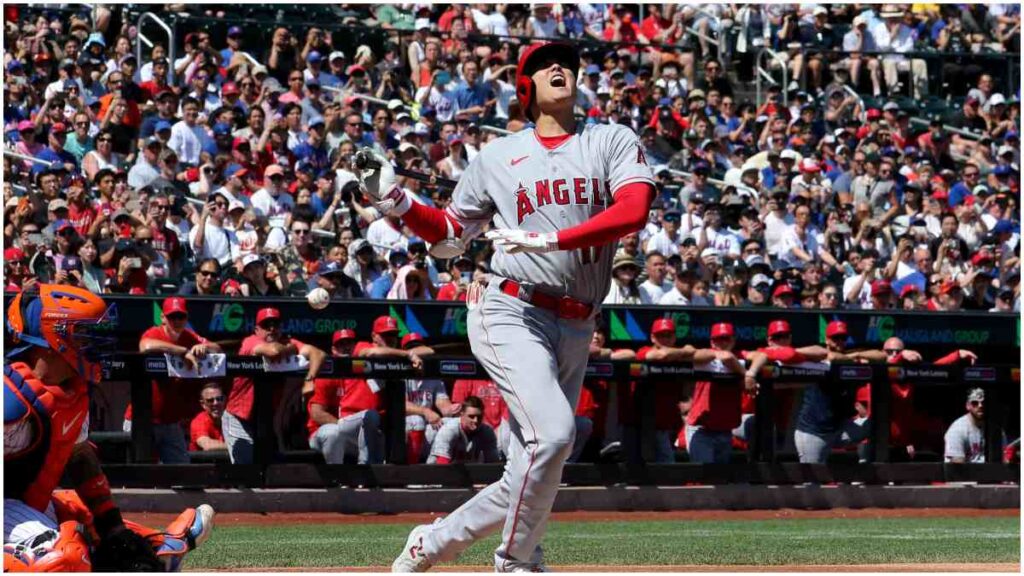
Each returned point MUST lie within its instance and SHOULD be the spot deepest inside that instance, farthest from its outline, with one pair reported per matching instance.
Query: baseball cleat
(412, 558)
(202, 526)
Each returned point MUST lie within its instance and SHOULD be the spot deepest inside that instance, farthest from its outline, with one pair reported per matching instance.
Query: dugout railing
(272, 468)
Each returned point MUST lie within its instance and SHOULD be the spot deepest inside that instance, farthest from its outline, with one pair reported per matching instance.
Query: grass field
(642, 543)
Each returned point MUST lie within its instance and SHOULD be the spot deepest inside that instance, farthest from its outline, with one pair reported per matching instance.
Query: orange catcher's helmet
(71, 321)
(532, 60)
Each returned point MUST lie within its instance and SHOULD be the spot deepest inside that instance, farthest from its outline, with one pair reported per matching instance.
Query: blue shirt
(467, 96)
(958, 193)
(317, 156)
(51, 156)
(381, 286)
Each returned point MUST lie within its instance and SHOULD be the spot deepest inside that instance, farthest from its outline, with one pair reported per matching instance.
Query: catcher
(56, 342)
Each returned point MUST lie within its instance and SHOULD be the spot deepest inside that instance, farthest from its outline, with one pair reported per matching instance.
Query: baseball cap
(57, 204)
(384, 324)
(782, 289)
(835, 328)
(760, 280)
(696, 94)
(874, 114)
(314, 57)
(58, 128)
(722, 330)
(330, 268)
(662, 325)
(881, 287)
(981, 257)
(229, 88)
(174, 305)
(161, 125)
(411, 338)
(273, 170)
(13, 255)
(778, 327)
(62, 225)
(234, 31)
(592, 70)
(250, 259)
(948, 287)
(335, 55)
(26, 125)
(789, 154)
(343, 334)
(267, 314)
(221, 129)
(809, 165)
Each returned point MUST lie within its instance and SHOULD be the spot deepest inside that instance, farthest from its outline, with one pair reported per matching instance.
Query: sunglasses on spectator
(215, 400)
(177, 316)
(105, 140)
(300, 231)
(977, 403)
(81, 123)
(207, 273)
(893, 351)
(270, 324)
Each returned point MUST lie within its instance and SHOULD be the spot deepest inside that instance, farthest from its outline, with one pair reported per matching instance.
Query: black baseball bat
(363, 161)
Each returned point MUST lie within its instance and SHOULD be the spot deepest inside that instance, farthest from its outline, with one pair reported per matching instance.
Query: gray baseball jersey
(453, 443)
(965, 440)
(536, 359)
(525, 186)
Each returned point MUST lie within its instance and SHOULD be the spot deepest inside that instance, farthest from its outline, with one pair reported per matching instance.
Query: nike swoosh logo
(518, 160)
(64, 429)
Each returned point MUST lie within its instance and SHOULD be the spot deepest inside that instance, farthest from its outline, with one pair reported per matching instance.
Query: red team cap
(410, 338)
(879, 287)
(343, 334)
(267, 314)
(782, 290)
(722, 330)
(835, 328)
(384, 324)
(662, 325)
(174, 305)
(778, 327)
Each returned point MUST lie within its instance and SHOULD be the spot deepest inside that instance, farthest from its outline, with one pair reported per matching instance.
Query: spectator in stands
(965, 437)
(891, 34)
(171, 407)
(466, 438)
(205, 430)
(268, 341)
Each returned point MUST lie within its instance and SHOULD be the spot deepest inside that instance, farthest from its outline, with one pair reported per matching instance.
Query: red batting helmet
(564, 54)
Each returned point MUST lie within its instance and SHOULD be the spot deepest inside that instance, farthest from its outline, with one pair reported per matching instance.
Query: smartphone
(135, 263)
(36, 239)
(467, 277)
(848, 270)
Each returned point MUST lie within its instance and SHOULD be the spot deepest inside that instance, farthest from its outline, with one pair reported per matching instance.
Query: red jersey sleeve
(784, 354)
(641, 354)
(951, 358)
(154, 333)
(629, 213)
(460, 390)
(360, 346)
(248, 344)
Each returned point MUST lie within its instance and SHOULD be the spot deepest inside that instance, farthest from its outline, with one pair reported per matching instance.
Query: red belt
(564, 306)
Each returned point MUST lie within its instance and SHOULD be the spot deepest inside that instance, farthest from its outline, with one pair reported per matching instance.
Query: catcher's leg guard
(68, 553)
(190, 529)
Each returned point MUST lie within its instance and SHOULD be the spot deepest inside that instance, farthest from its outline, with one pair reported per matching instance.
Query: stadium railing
(268, 468)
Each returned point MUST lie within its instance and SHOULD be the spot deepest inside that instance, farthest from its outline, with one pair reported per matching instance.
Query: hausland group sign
(230, 319)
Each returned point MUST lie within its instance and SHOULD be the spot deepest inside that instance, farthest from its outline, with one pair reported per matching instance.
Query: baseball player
(715, 409)
(426, 404)
(466, 438)
(267, 340)
(560, 194)
(53, 356)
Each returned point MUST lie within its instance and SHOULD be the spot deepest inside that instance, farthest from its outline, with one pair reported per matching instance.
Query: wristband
(108, 521)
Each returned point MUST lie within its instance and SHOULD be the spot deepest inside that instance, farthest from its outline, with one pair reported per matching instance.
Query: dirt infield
(254, 519)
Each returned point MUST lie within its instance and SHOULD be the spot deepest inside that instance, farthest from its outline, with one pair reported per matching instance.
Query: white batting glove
(378, 180)
(516, 241)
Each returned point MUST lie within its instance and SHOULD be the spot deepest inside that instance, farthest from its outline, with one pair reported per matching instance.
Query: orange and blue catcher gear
(69, 553)
(71, 321)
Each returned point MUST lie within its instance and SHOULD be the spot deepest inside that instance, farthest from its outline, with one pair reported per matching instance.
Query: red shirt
(174, 399)
(240, 400)
(666, 398)
(593, 403)
(629, 33)
(166, 240)
(203, 425)
(784, 354)
(716, 407)
(448, 291)
(81, 218)
(495, 409)
(341, 397)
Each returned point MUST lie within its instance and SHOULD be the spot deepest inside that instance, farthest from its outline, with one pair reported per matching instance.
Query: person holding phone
(461, 270)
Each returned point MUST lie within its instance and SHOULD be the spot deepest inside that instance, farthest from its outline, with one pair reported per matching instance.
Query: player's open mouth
(558, 80)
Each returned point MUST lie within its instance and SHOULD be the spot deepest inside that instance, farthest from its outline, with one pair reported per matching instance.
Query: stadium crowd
(225, 167)
(228, 170)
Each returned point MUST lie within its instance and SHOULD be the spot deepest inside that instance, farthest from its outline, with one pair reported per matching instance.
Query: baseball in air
(318, 298)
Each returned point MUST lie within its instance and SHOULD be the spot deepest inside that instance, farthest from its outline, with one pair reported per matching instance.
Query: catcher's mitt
(125, 551)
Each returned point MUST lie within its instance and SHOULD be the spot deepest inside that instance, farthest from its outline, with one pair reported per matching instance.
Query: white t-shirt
(494, 23)
(382, 236)
(273, 208)
(655, 291)
(619, 295)
(790, 241)
(863, 300)
(660, 242)
(218, 243)
(187, 142)
(727, 243)
(442, 102)
(674, 298)
(964, 439)
(774, 229)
